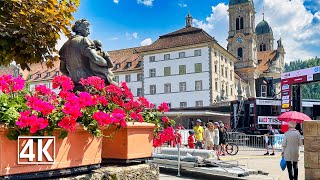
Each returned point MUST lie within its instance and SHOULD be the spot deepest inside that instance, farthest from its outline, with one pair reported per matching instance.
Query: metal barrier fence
(245, 142)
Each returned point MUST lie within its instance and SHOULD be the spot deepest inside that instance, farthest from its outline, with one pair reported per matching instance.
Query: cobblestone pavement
(251, 160)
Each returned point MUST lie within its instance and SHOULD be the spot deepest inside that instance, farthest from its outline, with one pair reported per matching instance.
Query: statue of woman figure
(78, 52)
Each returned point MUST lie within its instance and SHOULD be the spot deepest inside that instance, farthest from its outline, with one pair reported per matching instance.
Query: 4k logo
(41, 151)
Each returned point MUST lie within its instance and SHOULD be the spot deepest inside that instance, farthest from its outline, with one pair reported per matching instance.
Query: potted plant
(76, 120)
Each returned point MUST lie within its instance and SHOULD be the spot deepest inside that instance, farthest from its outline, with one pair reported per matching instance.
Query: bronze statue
(79, 58)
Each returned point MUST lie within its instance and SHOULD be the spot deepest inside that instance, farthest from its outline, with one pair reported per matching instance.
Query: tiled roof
(183, 37)
(40, 72)
(264, 57)
(126, 59)
(6, 70)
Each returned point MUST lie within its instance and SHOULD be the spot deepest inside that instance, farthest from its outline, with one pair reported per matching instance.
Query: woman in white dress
(209, 136)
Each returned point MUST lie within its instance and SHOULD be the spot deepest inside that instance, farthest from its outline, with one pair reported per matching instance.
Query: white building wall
(134, 84)
(175, 97)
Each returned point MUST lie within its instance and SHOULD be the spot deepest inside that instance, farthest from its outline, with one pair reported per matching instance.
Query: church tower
(264, 36)
(242, 40)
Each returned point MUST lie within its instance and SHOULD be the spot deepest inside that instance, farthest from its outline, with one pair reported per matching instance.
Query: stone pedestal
(127, 172)
(312, 149)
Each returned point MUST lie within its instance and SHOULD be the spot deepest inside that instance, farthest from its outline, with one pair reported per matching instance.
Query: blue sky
(127, 23)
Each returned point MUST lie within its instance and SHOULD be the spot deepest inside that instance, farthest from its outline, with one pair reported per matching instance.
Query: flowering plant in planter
(42, 111)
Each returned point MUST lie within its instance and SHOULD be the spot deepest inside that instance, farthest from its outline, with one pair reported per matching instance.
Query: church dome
(263, 28)
(234, 2)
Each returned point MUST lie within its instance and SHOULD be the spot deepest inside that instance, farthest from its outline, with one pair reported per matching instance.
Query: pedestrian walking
(291, 148)
(198, 129)
(209, 136)
(216, 139)
(222, 138)
(270, 140)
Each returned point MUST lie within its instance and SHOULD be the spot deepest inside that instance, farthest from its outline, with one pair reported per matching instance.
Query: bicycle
(231, 148)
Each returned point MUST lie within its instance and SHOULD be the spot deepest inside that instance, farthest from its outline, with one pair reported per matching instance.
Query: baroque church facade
(259, 64)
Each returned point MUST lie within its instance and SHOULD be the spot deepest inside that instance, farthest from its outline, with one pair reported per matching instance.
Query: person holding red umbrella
(291, 148)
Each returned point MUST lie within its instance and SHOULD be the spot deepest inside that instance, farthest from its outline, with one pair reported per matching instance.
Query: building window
(139, 92)
(183, 104)
(183, 86)
(198, 67)
(227, 93)
(198, 85)
(226, 72)
(215, 68)
(230, 63)
(231, 73)
(240, 55)
(263, 90)
(152, 72)
(197, 52)
(153, 89)
(128, 78)
(129, 64)
(167, 88)
(117, 66)
(182, 54)
(182, 69)
(222, 71)
(169, 105)
(215, 54)
(199, 103)
(263, 47)
(239, 23)
(152, 58)
(221, 58)
(139, 77)
(166, 56)
(116, 79)
(225, 60)
(216, 85)
(167, 71)
(231, 90)
(139, 63)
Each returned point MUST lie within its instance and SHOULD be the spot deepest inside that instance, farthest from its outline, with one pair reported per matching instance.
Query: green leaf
(63, 134)
(13, 134)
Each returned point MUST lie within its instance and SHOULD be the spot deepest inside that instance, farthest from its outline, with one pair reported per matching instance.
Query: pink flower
(93, 81)
(68, 123)
(102, 118)
(144, 102)
(163, 107)
(165, 119)
(118, 117)
(30, 120)
(63, 82)
(85, 100)
(73, 110)
(8, 84)
(136, 117)
(103, 100)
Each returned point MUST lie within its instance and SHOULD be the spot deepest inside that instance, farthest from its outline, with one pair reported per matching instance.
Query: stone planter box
(131, 142)
(77, 149)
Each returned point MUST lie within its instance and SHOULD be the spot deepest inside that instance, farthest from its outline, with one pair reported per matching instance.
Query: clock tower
(242, 40)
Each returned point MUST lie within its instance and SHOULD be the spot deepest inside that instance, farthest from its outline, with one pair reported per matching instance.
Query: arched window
(241, 23)
(240, 55)
(238, 24)
(263, 47)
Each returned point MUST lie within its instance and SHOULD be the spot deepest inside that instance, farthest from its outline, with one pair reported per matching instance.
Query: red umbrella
(284, 127)
(294, 116)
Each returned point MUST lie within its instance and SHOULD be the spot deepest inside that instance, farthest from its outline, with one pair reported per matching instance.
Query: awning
(195, 113)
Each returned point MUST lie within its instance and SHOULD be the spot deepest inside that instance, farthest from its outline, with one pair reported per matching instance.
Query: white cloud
(216, 24)
(61, 41)
(113, 39)
(290, 20)
(182, 5)
(133, 35)
(116, 1)
(146, 42)
(145, 2)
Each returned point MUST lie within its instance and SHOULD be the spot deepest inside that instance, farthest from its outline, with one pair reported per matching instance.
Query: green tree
(30, 29)
(309, 91)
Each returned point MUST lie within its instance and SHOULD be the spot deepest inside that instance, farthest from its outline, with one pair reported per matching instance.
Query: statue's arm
(63, 64)
(88, 50)
(109, 60)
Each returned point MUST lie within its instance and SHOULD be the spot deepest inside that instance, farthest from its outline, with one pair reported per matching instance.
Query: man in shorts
(198, 129)
(270, 140)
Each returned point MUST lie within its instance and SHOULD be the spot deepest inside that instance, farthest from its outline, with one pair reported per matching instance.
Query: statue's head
(81, 27)
(97, 44)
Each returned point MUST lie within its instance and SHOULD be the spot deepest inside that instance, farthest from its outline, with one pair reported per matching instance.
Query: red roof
(126, 59)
